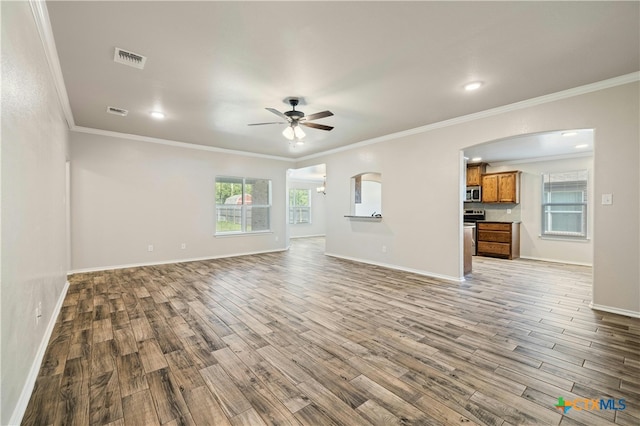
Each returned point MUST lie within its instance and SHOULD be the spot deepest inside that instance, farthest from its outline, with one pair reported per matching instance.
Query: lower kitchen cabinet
(498, 239)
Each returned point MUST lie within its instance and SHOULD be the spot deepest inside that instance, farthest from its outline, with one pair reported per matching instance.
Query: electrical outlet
(150, 247)
(508, 211)
(607, 199)
(384, 249)
(183, 246)
(38, 313)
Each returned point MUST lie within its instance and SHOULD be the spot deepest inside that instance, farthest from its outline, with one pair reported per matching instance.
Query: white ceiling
(537, 146)
(380, 67)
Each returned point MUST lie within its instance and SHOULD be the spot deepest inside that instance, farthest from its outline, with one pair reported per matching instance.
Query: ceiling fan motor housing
(294, 115)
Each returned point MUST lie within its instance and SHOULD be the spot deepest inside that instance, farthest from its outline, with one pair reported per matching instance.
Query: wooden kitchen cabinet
(498, 239)
(474, 173)
(501, 187)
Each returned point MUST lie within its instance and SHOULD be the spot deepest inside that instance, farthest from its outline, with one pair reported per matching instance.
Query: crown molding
(565, 94)
(43, 24)
(92, 131)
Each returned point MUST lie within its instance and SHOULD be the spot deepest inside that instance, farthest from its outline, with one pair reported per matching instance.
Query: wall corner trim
(613, 310)
(27, 389)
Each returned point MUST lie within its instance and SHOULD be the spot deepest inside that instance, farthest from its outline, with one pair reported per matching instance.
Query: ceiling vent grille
(125, 57)
(117, 111)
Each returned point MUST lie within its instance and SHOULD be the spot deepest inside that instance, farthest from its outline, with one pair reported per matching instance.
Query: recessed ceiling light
(157, 115)
(299, 142)
(476, 159)
(568, 134)
(472, 86)
(584, 145)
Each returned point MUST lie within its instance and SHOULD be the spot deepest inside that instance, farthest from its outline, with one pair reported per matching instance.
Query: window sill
(561, 238)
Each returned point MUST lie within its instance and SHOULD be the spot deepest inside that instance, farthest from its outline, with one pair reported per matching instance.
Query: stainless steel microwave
(474, 194)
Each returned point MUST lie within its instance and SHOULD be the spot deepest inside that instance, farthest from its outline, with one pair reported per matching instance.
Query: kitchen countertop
(499, 221)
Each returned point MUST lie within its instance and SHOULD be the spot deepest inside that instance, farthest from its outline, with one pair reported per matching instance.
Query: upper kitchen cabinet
(474, 173)
(501, 187)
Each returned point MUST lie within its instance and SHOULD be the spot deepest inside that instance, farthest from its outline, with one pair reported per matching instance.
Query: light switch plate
(607, 199)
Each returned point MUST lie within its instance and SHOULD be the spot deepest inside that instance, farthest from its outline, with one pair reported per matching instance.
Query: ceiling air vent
(117, 111)
(125, 57)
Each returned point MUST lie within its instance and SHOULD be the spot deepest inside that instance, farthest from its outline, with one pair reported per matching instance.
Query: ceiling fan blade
(317, 126)
(278, 113)
(272, 122)
(318, 115)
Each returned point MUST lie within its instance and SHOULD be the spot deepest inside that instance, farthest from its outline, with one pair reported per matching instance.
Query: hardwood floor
(301, 338)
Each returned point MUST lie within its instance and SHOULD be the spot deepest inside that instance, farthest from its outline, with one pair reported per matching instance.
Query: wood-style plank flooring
(297, 337)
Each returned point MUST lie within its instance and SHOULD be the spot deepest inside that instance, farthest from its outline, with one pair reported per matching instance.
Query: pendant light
(322, 189)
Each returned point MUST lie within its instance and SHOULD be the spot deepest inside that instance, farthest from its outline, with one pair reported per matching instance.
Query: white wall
(422, 179)
(317, 226)
(531, 244)
(128, 194)
(34, 150)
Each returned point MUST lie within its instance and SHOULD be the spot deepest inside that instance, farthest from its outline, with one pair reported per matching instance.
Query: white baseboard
(27, 390)
(306, 236)
(167, 262)
(399, 268)
(567, 262)
(612, 310)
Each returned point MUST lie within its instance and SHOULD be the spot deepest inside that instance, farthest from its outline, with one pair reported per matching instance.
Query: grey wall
(128, 194)
(424, 171)
(34, 254)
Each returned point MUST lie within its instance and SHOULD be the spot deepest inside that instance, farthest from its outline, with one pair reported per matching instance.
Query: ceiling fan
(295, 119)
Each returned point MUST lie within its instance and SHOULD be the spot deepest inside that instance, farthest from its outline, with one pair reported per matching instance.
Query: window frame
(244, 206)
(293, 207)
(578, 185)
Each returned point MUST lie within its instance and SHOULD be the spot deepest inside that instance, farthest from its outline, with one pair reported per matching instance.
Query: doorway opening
(552, 208)
(306, 201)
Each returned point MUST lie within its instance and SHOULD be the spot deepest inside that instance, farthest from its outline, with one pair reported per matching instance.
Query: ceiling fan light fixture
(288, 133)
(298, 133)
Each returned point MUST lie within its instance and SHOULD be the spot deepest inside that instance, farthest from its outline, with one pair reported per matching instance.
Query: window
(299, 206)
(564, 204)
(243, 205)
